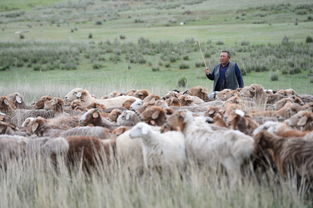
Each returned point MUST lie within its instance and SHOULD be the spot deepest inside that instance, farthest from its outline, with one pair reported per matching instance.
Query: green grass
(7, 5)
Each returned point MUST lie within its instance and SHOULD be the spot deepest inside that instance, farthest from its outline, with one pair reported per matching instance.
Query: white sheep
(128, 118)
(87, 99)
(160, 150)
(206, 146)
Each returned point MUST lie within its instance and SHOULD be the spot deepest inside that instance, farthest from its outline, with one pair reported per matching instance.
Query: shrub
(219, 42)
(309, 39)
(245, 43)
(207, 54)
(97, 66)
(122, 37)
(155, 69)
(285, 40)
(186, 58)
(184, 66)
(274, 77)
(182, 82)
(98, 23)
(167, 65)
(311, 80)
(90, 36)
(21, 36)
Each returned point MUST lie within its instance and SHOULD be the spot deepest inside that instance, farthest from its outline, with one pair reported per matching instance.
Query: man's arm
(209, 74)
(239, 76)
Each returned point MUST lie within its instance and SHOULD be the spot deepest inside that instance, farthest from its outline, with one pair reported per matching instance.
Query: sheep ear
(95, 115)
(211, 112)
(240, 113)
(155, 115)
(18, 99)
(35, 126)
(6, 102)
(78, 94)
(127, 116)
(302, 121)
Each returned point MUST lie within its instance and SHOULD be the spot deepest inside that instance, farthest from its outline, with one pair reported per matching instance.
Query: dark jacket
(230, 78)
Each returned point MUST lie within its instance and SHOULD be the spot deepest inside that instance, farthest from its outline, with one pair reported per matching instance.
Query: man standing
(226, 75)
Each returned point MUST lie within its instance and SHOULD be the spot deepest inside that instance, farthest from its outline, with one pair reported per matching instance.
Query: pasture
(49, 47)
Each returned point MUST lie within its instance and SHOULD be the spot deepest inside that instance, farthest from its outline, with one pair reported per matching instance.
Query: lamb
(39, 104)
(90, 151)
(165, 150)
(55, 104)
(93, 117)
(128, 118)
(17, 99)
(87, 99)
(241, 121)
(291, 156)
(204, 146)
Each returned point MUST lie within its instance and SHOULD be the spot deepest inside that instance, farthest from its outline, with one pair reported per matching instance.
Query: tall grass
(34, 182)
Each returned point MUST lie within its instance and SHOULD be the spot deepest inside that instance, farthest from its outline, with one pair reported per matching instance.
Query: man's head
(224, 57)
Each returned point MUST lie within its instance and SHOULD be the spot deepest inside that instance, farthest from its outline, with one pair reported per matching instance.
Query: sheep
(11, 147)
(39, 104)
(303, 121)
(279, 129)
(241, 121)
(286, 92)
(135, 105)
(92, 131)
(55, 104)
(114, 114)
(18, 116)
(127, 104)
(17, 99)
(200, 92)
(7, 128)
(228, 148)
(93, 117)
(291, 156)
(87, 99)
(165, 150)
(6, 106)
(50, 127)
(141, 94)
(226, 94)
(89, 151)
(4, 117)
(127, 118)
(253, 91)
(189, 100)
(293, 99)
(154, 115)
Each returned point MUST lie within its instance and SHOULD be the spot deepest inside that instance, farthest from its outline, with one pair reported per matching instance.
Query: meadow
(50, 47)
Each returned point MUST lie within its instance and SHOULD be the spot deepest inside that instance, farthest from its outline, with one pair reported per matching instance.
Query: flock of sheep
(266, 129)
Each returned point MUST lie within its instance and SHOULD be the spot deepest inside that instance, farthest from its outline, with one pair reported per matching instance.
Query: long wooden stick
(202, 55)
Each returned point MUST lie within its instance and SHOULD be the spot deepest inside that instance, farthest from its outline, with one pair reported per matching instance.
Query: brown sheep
(55, 104)
(6, 106)
(114, 114)
(241, 121)
(141, 94)
(226, 94)
(286, 92)
(303, 120)
(154, 115)
(128, 103)
(200, 92)
(94, 118)
(291, 156)
(89, 151)
(173, 101)
(7, 128)
(17, 99)
(40, 104)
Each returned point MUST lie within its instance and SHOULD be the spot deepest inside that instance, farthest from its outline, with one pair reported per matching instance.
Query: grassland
(50, 47)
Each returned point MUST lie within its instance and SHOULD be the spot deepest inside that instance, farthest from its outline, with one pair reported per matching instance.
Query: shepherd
(225, 75)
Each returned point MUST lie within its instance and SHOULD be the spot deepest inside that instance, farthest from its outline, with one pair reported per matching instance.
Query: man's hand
(207, 71)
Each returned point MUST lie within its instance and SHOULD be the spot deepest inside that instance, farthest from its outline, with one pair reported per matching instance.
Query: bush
(167, 65)
(98, 23)
(155, 69)
(274, 77)
(184, 66)
(285, 40)
(97, 66)
(21, 36)
(182, 82)
(309, 39)
(90, 36)
(122, 37)
(219, 42)
(207, 55)
(311, 80)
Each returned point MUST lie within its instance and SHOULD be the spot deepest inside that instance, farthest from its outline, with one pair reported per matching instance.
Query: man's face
(224, 58)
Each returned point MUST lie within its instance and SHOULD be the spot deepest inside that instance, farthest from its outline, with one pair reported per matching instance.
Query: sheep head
(6, 105)
(154, 115)
(55, 104)
(141, 94)
(303, 120)
(176, 121)
(16, 99)
(200, 92)
(33, 125)
(77, 94)
(114, 114)
(40, 104)
(92, 117)
(128, 103)
(139, 130)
